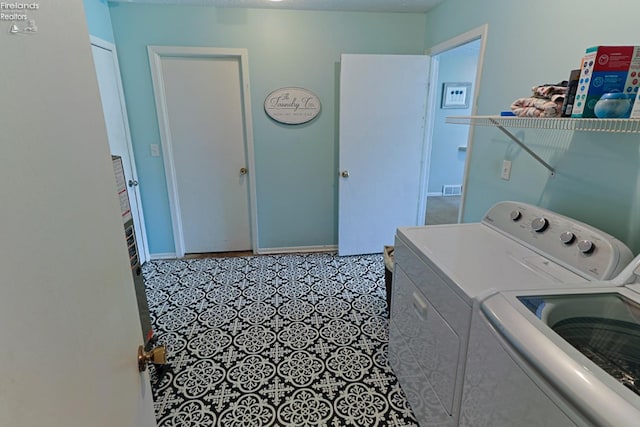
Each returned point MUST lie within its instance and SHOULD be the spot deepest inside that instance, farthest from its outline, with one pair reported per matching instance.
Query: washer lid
(527, 332)
(604, 327)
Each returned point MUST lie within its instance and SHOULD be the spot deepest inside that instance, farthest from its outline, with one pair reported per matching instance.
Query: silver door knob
(243, 171)
(344, 174)
(133, 183)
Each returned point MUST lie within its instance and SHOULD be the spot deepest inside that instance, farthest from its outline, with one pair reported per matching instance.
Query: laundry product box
(607, 70)
(570, 97)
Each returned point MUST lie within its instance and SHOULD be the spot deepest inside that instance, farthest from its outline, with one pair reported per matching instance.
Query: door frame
(156, 53)
(143, 252)
(478, 33)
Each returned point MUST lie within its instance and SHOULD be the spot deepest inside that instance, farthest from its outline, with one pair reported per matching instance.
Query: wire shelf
(555, 123)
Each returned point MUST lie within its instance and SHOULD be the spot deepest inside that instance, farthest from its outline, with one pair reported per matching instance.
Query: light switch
(506, 170)
(155, 150)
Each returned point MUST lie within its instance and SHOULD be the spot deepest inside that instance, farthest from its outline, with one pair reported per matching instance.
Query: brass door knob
(344, 174)
(243, 171)
(157, 356)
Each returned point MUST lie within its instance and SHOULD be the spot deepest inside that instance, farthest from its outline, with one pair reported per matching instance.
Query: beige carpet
(442, 209)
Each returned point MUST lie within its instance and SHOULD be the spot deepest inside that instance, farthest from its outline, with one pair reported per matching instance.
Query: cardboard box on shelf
(572, 89)
(605, 70)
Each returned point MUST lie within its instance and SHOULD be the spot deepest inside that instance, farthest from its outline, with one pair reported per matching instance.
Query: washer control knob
(586, 246)
(567, 237)
(515, 215)
(539, 224)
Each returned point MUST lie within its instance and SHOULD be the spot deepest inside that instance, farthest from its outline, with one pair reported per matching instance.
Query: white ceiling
(408, 6)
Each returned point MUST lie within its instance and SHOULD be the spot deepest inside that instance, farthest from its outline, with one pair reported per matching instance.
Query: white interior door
(115, 115)
(70, 326)
(383, 102)
(202, 114)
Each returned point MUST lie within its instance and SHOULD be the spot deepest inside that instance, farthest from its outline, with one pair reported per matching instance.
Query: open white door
(383, 102)
(105, 60)
(70, 327)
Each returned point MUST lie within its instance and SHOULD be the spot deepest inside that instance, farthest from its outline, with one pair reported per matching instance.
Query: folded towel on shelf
(546, 101)
(536, 107)
(549, 91)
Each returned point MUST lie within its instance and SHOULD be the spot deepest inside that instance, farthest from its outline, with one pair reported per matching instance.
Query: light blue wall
(98, 19)
(530, 43)
(296, 167)
(447, 161)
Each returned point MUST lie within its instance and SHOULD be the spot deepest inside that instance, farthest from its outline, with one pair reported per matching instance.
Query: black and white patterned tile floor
(282, 340)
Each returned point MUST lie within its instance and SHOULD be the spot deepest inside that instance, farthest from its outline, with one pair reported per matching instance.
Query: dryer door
(433, 343)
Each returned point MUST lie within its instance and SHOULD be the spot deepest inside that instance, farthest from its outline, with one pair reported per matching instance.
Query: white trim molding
(478, 33)
(298, 249)
(166, 255)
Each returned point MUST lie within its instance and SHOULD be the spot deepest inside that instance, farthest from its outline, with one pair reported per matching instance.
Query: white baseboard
(297, 249)
(264, 251)
(168, 255)
(437, 194)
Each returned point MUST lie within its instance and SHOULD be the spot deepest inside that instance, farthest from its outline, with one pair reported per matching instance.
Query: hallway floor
(442, 209)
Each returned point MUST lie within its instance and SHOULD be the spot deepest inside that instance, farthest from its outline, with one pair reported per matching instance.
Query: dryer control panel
(571, 243)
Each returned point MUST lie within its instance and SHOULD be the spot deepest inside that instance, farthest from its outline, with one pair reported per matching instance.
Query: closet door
(115, 117)
(204, 115)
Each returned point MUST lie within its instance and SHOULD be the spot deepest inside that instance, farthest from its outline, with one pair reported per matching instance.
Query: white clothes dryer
(439, 270)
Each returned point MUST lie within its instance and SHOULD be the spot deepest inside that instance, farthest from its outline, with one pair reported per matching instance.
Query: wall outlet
(506, 170)
(155, 150)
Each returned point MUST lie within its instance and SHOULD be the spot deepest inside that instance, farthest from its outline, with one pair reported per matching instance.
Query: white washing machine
(439, 270)
(555, 357)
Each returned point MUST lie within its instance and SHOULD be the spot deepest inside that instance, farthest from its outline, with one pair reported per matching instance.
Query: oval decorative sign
(292, 105)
